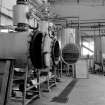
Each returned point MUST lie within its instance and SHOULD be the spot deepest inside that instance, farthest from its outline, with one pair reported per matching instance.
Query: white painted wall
(6, 21)
(6, 8)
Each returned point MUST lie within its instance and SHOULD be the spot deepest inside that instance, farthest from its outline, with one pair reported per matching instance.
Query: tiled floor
(75, 92)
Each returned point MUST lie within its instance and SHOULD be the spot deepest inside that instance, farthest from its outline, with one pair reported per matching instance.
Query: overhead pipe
(85, 26)
(92, 36)
(91, 30)
(92, 22)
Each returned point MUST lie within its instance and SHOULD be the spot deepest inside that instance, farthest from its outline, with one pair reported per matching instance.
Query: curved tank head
(35, 49)
(56, 52)
(70, 53)
(44, 51)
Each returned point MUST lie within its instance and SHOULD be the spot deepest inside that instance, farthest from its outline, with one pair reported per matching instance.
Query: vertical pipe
(0, 10)
(100, 45)
(94, 48)
(25, 83)
(101, 48)
(79, 38)
(61, 53)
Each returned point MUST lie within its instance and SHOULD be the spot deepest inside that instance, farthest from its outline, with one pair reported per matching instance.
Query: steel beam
(87, 48)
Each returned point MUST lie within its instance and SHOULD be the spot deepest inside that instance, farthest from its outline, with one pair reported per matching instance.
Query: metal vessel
(36, 45)
(70, 45)
(33, 45)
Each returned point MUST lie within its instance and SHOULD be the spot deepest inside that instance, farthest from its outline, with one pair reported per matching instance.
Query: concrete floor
(81, 92)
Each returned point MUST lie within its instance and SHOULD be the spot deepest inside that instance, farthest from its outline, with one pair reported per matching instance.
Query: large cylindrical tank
(103, 47)
(33, 45)
(70, 45)
(99, 49)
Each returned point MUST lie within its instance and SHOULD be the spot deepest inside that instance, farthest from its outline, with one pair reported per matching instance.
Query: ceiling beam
(87, 48)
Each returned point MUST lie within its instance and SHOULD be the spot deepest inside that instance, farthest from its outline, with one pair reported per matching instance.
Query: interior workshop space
(52, 52)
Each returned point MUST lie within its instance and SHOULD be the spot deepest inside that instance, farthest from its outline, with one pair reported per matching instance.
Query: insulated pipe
(20, 14)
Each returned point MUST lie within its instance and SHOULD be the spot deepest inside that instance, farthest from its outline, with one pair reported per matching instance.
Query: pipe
(92, 36)
(20, 14)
